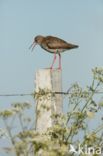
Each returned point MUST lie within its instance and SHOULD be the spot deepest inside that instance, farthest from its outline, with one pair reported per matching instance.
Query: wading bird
(53, 45)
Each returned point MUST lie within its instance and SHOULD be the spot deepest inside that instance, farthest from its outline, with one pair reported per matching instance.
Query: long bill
(32, 46)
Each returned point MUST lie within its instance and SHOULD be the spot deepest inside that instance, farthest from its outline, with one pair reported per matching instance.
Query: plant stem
(10, 135)
(93, 92)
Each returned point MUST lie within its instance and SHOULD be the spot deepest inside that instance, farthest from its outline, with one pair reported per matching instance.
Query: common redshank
(53, 45)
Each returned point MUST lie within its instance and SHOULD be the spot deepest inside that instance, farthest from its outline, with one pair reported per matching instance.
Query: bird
(52, 45)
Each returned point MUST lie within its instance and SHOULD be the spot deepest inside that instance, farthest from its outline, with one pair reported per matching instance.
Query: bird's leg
(54, 59)
(59, 62)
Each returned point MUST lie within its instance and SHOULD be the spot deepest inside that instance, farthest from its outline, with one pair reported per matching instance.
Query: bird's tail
(74, 46)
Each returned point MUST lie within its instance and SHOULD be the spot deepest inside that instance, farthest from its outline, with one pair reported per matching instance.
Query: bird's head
(37, 40)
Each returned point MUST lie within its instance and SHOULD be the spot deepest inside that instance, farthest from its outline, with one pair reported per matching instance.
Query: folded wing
(57, 43)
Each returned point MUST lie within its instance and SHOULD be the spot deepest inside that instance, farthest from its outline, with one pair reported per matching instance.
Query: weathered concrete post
(47, 81)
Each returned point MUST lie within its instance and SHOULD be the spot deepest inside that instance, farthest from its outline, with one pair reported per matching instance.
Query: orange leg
(59, 62)
(54, 59)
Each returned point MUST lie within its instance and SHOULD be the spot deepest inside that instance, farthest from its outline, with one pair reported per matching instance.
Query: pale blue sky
(79, 22)
(76, 21)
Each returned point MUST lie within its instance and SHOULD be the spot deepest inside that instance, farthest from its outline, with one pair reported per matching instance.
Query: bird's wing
(57, 43)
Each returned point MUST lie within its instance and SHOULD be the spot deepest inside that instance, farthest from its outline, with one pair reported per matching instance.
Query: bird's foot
(59, 68)
(51, 69)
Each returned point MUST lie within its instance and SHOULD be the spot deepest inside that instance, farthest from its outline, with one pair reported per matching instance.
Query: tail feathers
(73, 46)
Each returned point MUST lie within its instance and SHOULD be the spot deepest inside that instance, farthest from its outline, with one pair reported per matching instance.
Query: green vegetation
(71, 129)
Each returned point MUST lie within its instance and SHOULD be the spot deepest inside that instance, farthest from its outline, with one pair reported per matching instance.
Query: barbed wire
(32, 94)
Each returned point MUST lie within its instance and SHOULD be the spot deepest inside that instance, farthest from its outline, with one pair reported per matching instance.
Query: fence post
(47, 104)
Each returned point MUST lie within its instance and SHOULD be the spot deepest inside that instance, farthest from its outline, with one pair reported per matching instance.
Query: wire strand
(31, 94)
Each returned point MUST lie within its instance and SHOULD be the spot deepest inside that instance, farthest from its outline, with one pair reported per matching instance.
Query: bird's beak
(32, 46)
